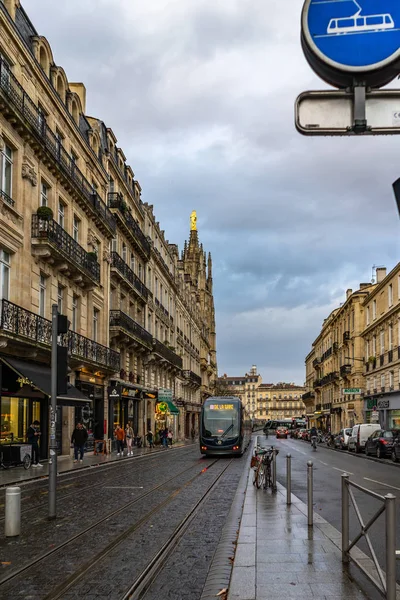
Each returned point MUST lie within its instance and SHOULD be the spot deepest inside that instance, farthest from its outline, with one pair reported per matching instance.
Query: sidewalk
(65, 464)
(279, 556)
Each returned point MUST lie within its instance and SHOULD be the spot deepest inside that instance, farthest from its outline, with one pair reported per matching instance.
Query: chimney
(380, 274)
(80, 90)
(348, 293)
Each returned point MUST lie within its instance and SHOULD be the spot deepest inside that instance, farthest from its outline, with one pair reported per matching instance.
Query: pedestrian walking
(78, 439)
(120, 436)
(170, 437)
(129, 438)
(150, 438)
(165, 437)
(33, 435)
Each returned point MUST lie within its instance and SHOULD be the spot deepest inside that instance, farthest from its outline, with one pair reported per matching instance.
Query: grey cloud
(200, 97)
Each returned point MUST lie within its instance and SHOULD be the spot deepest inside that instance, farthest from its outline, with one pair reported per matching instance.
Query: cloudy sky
(200, 94)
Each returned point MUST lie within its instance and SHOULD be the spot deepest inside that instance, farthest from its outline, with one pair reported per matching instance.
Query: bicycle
(262, 467)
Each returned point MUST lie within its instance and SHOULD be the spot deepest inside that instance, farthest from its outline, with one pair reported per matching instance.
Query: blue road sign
(353, 36)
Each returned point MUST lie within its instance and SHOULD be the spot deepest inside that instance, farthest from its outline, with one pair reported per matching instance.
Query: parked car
(359, 435)
(300, 433)
(380, 443)
(396, 449)
(282, 432)
(341, 439)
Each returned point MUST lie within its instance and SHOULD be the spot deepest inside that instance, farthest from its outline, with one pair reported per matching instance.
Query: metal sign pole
(53, 408)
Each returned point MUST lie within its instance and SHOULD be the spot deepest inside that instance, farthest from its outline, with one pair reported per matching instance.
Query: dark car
(281, 432)
(396, 449)
(380, 443)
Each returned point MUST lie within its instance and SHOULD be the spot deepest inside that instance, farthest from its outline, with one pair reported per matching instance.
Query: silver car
(342, 439)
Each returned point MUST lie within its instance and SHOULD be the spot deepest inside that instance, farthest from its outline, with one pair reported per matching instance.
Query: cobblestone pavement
(184, 574)
(107, 492)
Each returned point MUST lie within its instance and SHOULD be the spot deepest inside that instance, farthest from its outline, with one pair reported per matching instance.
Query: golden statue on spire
(193, 221)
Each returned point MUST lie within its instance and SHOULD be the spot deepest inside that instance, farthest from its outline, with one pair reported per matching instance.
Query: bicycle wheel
(260, 476)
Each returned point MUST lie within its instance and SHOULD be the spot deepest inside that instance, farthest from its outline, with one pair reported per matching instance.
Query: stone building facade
(335, 366)
(75, 232)
(381, 338)
(280, 401)
(263, 401)
(245, 387)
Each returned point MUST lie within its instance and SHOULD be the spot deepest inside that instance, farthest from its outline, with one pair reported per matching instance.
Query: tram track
(43, 491)
(138, 588)
(53, 551)
(142, 583)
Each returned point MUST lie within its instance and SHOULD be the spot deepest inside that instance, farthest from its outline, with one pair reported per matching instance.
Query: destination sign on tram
(221, 407)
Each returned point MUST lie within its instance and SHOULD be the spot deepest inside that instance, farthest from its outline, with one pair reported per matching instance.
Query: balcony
(345, 370)
(117, 204)
(126, 272)
(308, 396)
(26, 118)
(162, 350)
(317, 383)
(192, 377)
(23, 325)
(128, 327)
(6, 198)
(162, 262)
(316, 362)
(53, 243)
(346, 337)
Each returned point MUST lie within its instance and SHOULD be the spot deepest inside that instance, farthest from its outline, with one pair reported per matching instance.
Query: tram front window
(221, 420)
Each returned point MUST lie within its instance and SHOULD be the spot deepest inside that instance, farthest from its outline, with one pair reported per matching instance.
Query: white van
(360, 434)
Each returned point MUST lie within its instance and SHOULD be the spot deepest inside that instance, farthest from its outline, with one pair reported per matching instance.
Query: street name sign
(330, 112)
(345, 40)
(353, 45)
(352, 391)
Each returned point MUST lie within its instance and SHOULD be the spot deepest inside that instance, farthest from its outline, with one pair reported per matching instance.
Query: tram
(225, 426)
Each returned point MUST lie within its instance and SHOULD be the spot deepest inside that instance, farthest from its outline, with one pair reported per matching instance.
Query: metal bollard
(274, 487)
(13, 512)
(345, 518)
(390, 506)
(288, 479)
(310, 492)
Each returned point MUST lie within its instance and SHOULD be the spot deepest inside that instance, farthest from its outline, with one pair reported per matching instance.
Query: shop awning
(40, 377)
(172, 409)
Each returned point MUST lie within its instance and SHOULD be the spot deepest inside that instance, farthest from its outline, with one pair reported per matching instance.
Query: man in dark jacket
(78, 439)
(33, 435)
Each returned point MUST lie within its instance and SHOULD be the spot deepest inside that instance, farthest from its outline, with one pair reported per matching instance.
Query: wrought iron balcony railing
(7, 198)
(308, 396)
(118, 263)
(115, 200)
(168, 354)
(48, 229)
(28, 325)
(192, 377)
(33, 118)
(120, 319)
